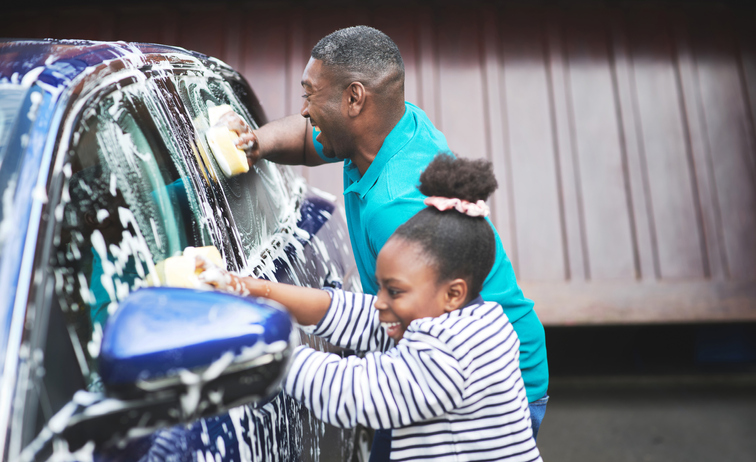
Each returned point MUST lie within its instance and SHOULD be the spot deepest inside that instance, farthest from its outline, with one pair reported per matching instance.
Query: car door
(122, 197)
(132, 185)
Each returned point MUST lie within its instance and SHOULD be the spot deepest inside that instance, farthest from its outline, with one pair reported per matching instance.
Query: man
(354, 111)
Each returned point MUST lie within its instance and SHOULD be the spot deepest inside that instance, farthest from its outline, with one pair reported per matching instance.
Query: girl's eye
(393, 292)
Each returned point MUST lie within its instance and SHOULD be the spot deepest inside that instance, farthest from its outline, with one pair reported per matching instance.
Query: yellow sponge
(231, 160)
(214, 113)
(180, 271)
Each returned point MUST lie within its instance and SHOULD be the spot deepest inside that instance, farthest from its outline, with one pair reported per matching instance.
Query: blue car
(105, 172)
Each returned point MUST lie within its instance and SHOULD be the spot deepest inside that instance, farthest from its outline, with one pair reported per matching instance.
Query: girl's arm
(306, 305)
(344, 319)
(380, 390)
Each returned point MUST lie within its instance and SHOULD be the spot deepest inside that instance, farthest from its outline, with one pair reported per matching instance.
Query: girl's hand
(219, 278)
(308, 306)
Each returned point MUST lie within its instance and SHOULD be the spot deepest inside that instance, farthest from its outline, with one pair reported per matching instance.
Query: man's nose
(305, 111)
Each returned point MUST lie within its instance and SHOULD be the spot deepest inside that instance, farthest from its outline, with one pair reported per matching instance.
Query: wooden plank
(323, 21)
(296, 60)
(497, 131)
(729, 138)
(664, 152)
(428, 94)
(400, 24)
(264, 51)
(107, 24)
(599, 157)
(23, 25)
(704, 176)
(538, 221)
(232, 46)
(620, 302)
(77, 23)
(203, 28)
(140, 24)
(746, 29)
(461, 81)
(297, 57)
(572, 229)
(646, 255)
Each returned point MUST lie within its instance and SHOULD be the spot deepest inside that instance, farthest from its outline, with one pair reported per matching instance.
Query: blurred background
(623, 134)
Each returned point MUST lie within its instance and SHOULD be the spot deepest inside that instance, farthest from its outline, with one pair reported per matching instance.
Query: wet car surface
(104, 173)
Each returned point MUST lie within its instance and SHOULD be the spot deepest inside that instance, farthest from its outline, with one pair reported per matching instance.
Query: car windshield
(11, 98)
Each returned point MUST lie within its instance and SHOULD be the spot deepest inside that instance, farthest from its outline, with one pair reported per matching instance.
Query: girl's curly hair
(467, 179)
(459, 245)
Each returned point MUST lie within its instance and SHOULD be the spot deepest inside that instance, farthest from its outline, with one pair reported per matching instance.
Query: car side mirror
(172, 355)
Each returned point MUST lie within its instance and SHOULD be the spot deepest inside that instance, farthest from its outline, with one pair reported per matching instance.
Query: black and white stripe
(450, 390)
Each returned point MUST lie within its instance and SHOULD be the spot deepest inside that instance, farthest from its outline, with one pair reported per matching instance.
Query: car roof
(58, 62)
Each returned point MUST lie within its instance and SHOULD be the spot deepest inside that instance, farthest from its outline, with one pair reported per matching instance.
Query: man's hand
(247, 140)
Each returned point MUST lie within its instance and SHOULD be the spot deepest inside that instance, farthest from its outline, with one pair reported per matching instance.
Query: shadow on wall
(694, 349)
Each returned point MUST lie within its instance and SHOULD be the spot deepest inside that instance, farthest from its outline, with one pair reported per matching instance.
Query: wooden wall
(623, 138)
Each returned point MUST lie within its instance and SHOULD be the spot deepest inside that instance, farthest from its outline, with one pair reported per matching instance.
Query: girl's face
(409, 288)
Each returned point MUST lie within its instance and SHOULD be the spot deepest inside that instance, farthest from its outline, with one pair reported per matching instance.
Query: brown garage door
(623, 138)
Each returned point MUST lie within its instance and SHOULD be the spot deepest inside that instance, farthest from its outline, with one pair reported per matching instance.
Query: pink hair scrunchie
(471, 209)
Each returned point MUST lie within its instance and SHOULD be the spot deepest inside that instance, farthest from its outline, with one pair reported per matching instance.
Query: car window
(11, 99)
(126, 204)
(257, 199)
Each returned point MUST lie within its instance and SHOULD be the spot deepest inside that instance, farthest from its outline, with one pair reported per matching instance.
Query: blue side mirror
(164, 337)
(172, 355)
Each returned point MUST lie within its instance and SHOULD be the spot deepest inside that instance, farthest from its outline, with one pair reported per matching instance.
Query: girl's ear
(456, 294)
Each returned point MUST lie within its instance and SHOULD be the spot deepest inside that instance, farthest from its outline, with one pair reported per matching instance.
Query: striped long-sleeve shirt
(450, 390)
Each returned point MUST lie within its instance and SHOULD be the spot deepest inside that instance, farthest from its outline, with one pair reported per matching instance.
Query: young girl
(442, 373)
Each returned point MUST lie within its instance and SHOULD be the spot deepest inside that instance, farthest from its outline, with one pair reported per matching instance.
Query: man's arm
(284, 141)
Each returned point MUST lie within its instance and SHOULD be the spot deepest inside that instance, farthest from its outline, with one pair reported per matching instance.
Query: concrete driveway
(629, 419)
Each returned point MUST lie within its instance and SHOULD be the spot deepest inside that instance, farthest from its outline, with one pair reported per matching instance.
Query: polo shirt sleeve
(319, 150)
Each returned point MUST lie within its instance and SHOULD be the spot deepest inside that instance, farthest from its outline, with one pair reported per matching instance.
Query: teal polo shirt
(386, 196)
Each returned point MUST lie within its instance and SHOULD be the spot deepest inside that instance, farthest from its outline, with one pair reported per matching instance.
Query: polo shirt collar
(399, 136)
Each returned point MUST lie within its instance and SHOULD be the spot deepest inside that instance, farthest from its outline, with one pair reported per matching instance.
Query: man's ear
(355, 94)
(456, 294)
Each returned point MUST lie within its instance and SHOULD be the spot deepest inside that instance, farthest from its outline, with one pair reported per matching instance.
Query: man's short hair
(360, 51)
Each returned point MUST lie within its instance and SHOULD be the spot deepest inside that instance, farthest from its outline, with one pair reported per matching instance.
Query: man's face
(322, 105)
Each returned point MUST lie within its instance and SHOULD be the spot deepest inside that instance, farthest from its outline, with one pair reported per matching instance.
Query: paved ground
(660, 393)
(692, 419)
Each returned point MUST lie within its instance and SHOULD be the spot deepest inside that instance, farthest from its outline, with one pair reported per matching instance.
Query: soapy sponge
(231, 160)
(180, 271)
